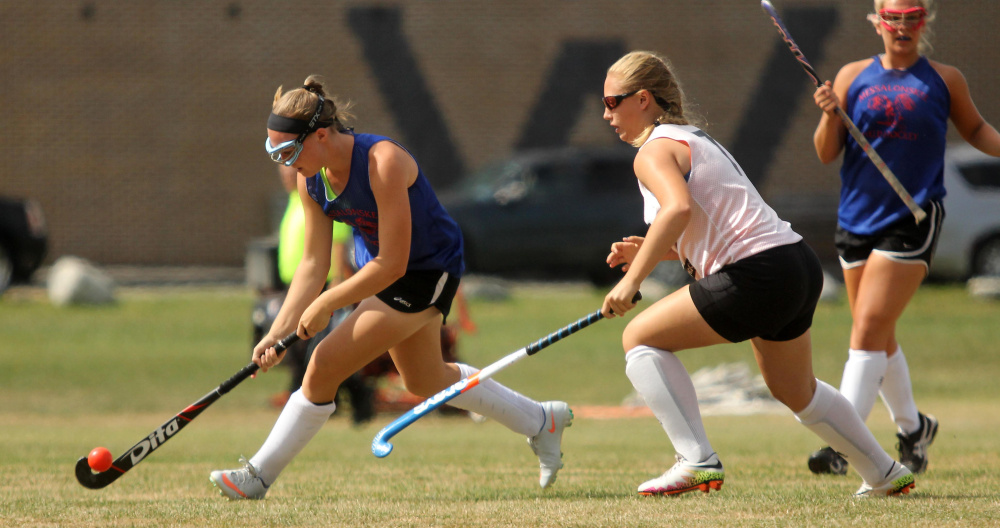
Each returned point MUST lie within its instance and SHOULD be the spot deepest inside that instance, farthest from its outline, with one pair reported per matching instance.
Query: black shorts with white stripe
(903, 241)
(419, 290)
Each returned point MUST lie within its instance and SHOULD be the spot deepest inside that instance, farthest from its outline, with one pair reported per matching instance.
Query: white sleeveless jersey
(729, 220)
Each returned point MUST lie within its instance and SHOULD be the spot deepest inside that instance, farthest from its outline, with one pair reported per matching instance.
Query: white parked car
(970, 238)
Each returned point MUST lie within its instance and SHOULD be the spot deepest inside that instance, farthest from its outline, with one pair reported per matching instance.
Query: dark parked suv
(23, 240)
(549, 213)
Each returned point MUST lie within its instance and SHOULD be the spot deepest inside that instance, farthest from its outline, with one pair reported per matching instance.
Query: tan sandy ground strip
(609, 412)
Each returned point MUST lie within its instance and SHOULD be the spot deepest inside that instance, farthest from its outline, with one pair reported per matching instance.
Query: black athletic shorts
(903, 241)
(418, 290)
(771, 295)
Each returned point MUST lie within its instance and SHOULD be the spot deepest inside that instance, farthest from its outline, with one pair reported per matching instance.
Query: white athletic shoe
(239, 484)
(548, 443)
(685, 476)
(899, 482)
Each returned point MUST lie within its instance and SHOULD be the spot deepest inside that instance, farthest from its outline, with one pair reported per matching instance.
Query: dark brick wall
(138, 125)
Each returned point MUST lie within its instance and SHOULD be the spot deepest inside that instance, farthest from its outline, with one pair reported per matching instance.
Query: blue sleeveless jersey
(904, 115)
(435, 240)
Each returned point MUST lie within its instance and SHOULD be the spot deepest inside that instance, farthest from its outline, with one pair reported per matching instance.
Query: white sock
(863, 375)
(661, 380)
(298, 422)
(512, 409)
(831, 417)
(897, 393)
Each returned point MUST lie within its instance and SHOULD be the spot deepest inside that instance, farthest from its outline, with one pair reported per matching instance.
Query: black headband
(299, 126)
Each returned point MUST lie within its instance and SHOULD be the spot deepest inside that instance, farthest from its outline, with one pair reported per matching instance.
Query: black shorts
(418, 290)
(771, 295)
(903, 241)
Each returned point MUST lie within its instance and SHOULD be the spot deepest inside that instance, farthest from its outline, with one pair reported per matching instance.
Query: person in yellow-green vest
(291, 239)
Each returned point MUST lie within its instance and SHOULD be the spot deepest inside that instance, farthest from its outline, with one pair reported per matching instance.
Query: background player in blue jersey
(902, 102)
(408, 252)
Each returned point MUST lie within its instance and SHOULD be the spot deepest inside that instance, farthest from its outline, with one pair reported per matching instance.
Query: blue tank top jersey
(904, 115)
(436, 240)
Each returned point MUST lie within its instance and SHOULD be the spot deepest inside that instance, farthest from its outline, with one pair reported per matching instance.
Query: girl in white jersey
(756, 280)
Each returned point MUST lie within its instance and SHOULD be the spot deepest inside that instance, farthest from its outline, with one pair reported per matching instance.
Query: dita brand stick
(168, 430)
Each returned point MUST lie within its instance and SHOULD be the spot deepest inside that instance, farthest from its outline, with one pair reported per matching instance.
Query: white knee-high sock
(512, 409)
(831, 417)
(863, 375)
(897, 393)
(667, 388)
(298, 422)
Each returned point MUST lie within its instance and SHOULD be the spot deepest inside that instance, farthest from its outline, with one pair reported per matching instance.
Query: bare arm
(831, 133)
(624, 252)
(308, 280)
(969, 123)
(310, 276)
(660, 166)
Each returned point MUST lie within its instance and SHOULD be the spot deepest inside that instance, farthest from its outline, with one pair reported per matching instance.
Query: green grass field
(72, 379)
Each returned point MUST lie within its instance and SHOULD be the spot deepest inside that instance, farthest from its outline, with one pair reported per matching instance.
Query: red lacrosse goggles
(895, 19)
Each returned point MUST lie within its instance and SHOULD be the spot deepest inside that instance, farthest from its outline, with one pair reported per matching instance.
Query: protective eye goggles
(612, 101)
(287, 152)
(894, 19)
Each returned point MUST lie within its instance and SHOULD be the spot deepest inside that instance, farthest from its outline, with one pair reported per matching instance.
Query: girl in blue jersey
(409, 257)
(901, 101)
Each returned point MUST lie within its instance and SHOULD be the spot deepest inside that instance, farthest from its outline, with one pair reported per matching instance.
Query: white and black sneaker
(827, 461)
(913, 447)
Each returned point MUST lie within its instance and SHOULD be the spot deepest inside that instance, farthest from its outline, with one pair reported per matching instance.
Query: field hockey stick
(168, 430)
(918, 213)
(380, 444)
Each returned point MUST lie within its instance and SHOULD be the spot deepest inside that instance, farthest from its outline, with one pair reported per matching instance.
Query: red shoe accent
(232, 486)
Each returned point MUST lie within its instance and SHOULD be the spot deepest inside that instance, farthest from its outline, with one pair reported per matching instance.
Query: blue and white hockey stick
(381, 446)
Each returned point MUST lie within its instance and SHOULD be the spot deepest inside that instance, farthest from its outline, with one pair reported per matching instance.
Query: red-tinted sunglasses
(611, 101)
(893, 19)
